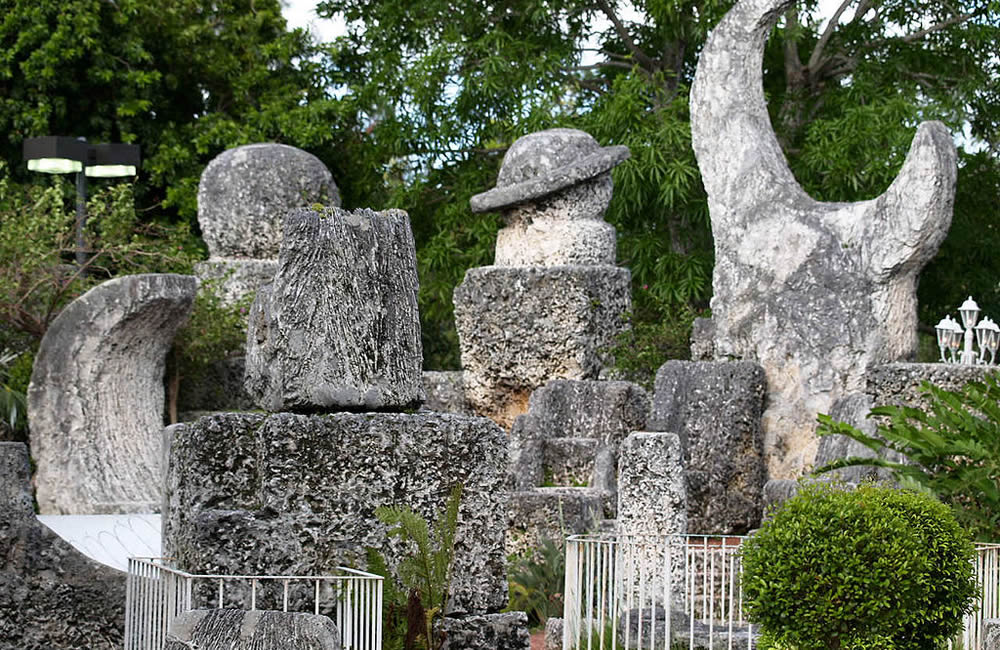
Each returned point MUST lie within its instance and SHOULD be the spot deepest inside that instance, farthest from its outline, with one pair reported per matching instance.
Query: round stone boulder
(245, 192)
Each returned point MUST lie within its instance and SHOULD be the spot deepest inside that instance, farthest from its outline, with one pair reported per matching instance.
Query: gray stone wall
(296, 494)
(96, 398)
(51, 596)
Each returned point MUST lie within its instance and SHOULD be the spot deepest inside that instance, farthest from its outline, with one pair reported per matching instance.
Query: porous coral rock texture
(715, 408)
(235, 629)
(338, 328)
(96, 398)
(245, 192)
(813, 292)
(519, 327)
(51, 596)
(290, 494)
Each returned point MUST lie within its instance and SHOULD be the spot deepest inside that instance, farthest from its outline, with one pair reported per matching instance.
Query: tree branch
(961, 18)
(831, 26)
(644, 59)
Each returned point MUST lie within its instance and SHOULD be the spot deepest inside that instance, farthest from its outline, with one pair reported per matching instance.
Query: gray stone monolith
(716, 409)
(51, 595)
(338, 328)
(991, 634)
(652, 504)
(500, 631)
(554, 302)
(243, 195)
(237, 629)
(96, 398)
(289, 494)
(813, 292)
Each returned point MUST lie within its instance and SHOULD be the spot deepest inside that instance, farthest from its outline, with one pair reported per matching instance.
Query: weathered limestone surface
(236, 629)
(652, 501)
(715, 408)
(244, 193)
(501, 631)
(813, 292)
(338, 328)
(652, 492)
(445, 391)
(296, 494)
(893, 384)
(992, 640)
(95, 402)
(553, 188)
(551, 513)
(572, 432)
(51, 596)
(520, 327)
(553, 633)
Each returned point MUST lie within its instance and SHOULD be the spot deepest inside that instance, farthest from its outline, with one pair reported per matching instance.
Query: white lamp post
(951, 337)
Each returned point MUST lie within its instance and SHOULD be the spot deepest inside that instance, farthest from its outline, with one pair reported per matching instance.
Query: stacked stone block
(554, 302)
(564, 455)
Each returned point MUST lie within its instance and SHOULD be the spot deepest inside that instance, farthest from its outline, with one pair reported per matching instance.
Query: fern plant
(951, 447)
(537, 581)
(426, 573)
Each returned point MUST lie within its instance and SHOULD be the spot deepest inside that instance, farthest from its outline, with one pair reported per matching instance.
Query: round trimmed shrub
(863, 569)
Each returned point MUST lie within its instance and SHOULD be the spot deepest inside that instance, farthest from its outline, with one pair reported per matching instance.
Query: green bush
(874, 567)
(951, 449)
(536, 583)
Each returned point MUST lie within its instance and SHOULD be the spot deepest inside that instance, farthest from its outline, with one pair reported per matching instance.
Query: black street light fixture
(56, 154)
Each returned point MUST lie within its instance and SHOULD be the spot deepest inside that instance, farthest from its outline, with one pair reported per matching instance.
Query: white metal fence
(156, 593)
(683, 591)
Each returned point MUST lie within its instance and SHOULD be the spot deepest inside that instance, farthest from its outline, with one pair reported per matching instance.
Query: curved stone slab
(244, 193)
(95, 402)
(236, 629)
(813, 292)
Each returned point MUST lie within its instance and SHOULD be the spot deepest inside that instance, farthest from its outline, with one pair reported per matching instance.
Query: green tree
(184, 79)
(445, 93)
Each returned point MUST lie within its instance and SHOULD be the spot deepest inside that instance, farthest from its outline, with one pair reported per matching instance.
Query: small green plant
(536, 582)
(425, 574)
(646, 345)
(844, 569)
(13, 395)
(951, 447)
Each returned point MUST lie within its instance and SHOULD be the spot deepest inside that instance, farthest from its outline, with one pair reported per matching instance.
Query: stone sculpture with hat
(552, 304)
(553, 189)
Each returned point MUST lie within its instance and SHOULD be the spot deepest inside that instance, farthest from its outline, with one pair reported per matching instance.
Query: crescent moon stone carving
(95, 401)
(814, 292)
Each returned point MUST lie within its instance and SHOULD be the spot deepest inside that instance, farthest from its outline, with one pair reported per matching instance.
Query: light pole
(56, 154)
(951, 337)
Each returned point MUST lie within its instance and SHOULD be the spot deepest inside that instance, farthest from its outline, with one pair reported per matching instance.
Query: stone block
(236, 629)
(814, 292)
(526, 457)
(501, 631)
(96, 398)
(248, 493)
(521, 327)
(244, 193)
(553, 633)
(652, 503)
(570, 461)
(776, 492)
(715, 407)
(551, 513)
(899, 383)
(445, 391)
(51, 596)
(338, 328)
(991, 639)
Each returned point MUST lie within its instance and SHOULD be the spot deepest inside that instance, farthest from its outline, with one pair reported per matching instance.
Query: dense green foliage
(447, 92)
(950, 445)
(416, 105)
(537, 582)
(865, 569)
(425, 574)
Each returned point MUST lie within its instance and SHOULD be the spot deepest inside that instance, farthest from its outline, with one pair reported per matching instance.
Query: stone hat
(541, 163)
